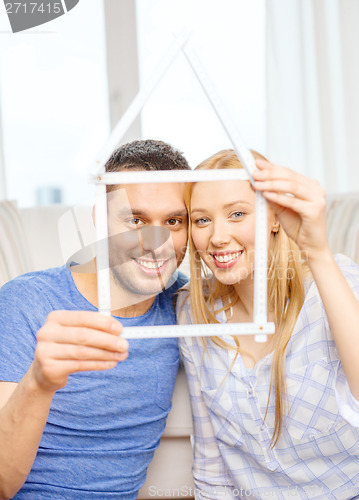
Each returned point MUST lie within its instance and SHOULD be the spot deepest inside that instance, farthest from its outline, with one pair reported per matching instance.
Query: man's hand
(70, 341)
(75, 341)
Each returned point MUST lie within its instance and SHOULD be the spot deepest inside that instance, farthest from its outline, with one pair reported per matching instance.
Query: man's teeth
(227, 257)
(151, 264)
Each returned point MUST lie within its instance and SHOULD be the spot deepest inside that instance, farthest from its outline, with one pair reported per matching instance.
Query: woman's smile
(226, 260)
(223, 228)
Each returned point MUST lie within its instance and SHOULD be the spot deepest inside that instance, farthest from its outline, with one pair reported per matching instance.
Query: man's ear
(276, 226)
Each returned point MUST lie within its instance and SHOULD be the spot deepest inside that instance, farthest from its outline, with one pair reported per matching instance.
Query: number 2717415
(33, 7)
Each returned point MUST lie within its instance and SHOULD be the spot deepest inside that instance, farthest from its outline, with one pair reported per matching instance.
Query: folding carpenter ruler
(260, 326)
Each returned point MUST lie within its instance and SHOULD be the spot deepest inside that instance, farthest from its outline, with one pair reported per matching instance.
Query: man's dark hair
(146, 155)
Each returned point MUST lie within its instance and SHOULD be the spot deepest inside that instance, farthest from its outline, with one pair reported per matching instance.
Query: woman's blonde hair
(285, 290)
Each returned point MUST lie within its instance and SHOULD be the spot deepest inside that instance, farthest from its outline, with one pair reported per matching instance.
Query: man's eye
(173, 222)
(134, 221)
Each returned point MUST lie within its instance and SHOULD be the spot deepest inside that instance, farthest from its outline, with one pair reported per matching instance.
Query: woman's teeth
(228, 257)
(151, 264)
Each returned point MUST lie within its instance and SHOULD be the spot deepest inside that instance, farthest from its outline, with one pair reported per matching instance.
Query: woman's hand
(303, 217)
(299, 204)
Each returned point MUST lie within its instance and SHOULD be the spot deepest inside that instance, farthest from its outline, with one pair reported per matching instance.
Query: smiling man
(147, 226)
(81, 410)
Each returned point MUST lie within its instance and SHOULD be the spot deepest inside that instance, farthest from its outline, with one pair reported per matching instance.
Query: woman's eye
(201, 221)
(237, 215)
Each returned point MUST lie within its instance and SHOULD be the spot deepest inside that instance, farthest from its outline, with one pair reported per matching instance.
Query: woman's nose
(220, 236)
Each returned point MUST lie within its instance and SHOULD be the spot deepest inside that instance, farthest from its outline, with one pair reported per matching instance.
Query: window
(229, 38)
(54, 105)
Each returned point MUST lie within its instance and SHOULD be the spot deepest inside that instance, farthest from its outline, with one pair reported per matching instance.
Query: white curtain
(313, 89)
(2, 162)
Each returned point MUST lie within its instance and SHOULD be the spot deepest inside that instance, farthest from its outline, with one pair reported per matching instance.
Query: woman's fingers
(304, 208)
(283, 200)
(284, 186)
(270, 172)
(282, 180)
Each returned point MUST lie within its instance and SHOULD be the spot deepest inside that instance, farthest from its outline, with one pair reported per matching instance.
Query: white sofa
(29, 241)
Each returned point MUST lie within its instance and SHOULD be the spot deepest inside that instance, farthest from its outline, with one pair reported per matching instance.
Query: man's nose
(147, 239)
(151, 238)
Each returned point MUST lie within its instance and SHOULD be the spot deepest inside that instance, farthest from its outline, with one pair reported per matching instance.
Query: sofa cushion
(15, 258)
(343, 224)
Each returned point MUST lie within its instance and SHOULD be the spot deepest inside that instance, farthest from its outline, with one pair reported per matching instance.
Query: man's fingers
(50, 350)
(82, 336)
(75, 341)
(88, 319)
(84, 366)
(60, 335)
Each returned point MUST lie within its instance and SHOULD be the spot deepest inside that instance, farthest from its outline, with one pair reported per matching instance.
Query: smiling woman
(223, 221)
(242, 392)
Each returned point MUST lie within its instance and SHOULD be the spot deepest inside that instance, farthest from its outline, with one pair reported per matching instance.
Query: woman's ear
(275, 226)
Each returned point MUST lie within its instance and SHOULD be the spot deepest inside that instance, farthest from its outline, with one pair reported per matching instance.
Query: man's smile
(151, 266)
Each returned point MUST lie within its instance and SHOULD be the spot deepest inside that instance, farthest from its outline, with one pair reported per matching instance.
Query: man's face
(147, 235)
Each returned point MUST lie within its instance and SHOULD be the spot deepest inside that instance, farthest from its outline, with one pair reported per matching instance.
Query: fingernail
(117, 327)
(111, 364)
(260, 162)
(122, 344)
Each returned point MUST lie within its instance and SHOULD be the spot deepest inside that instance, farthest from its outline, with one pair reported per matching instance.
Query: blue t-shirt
(103, 426)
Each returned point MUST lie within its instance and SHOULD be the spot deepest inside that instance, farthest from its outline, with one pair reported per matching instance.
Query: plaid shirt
(317, 454)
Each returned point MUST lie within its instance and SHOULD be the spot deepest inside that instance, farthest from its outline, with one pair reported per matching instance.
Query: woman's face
(223, 228)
